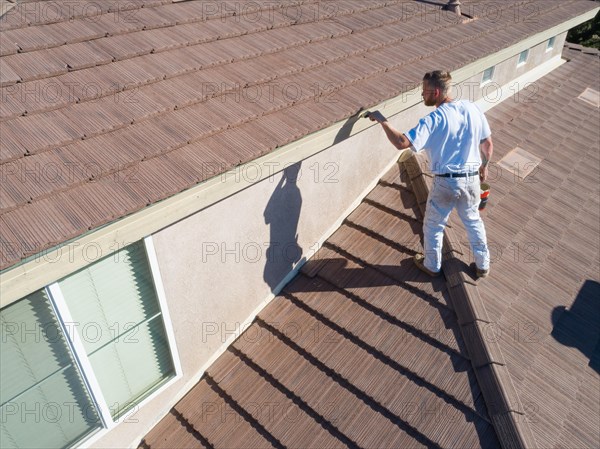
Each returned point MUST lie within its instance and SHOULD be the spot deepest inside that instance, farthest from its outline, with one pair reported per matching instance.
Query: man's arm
(398, 139)
(487, 148)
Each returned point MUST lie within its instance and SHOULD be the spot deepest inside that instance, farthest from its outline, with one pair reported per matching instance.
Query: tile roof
(388, 337)
(360, 350)
(97, 92)
(544, 290)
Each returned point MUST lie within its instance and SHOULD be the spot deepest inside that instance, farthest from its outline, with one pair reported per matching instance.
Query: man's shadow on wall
(579, 326)
(282, 214)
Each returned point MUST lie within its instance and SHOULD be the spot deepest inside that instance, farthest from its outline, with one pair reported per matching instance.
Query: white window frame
(492, 71)
(522, 63)
(82, 361)
(550, 43)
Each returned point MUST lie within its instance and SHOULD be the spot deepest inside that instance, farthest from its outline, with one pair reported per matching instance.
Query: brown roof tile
(125, 46)
(38, 176)
(39, 96)
(40, 12)
(51, 129)
(81, 55)
(105, 115)
(11, 148)
(114, 23)
(8, 47)
(47, 231)
(8, 76)
(34, 38)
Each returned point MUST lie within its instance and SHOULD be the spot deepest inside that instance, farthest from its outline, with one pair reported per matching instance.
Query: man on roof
(457, 139)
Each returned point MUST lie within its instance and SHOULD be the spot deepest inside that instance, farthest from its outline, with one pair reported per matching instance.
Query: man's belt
(457, 175)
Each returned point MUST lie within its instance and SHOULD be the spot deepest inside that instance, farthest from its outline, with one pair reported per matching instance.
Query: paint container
(485, 193)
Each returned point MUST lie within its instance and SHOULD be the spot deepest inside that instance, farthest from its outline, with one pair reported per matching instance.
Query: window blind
(44, 402)
(117, 315)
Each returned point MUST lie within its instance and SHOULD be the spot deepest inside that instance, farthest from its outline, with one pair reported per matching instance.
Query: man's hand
(377, 116)
(483, 173)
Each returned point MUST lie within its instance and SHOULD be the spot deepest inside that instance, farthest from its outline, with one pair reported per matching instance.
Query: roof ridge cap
(505, 409)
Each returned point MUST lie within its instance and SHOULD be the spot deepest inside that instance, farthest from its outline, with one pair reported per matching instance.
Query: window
(523, 57)
(44, 401)
(82, 352)
(550, 44)
(488, 74)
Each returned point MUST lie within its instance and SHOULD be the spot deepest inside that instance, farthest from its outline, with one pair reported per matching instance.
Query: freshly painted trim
(32, 275)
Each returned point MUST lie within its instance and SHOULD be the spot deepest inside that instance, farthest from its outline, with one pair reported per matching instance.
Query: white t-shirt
(451, 135)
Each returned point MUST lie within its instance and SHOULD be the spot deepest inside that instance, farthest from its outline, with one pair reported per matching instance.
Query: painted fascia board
(32, 275)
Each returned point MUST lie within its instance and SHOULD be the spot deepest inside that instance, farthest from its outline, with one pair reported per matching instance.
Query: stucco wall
(220, 264)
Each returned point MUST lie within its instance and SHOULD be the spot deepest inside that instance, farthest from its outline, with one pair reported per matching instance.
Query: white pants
(446, 194)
